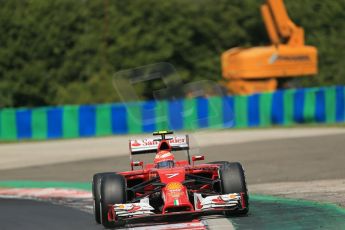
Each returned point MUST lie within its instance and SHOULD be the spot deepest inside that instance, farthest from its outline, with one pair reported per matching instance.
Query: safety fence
(285, 107)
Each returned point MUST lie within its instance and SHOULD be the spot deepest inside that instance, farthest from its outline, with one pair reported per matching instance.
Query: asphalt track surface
(264, 214)
(32, 215)
(293, 159)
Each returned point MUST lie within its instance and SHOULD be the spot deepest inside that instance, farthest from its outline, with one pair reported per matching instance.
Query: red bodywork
(172, 175)
(174, 186)
(168, 176)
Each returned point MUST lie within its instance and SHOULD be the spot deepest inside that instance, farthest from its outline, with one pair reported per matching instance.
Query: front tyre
(232, 180)
(113, 191)
(96, 193)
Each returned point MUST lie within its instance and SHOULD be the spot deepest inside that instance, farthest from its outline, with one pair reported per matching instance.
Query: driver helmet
(164, 159)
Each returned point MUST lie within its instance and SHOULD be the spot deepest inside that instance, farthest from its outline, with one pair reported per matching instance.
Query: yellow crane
(266, 68)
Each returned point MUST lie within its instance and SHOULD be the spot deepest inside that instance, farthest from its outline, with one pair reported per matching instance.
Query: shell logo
(174, 186)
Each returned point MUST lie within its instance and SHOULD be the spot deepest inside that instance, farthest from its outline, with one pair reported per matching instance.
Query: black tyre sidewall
(232, 180)
(96, 194)
(113, 191)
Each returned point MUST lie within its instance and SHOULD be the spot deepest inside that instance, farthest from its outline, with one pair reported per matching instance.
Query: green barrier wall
(286, 107)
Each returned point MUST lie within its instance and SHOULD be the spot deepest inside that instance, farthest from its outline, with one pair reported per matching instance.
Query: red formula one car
(168, 188)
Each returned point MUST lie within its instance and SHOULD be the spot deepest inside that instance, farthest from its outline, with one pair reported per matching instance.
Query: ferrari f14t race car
(167, 187)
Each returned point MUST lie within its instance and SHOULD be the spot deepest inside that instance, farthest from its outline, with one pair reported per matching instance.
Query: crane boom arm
(270, 27)
(278, 24)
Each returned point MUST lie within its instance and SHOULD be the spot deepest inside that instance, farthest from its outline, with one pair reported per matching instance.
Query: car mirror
(197, 158)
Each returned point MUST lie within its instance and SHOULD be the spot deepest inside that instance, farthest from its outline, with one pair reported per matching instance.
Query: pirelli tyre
(232, 180)
(113, 191)
(96, 194)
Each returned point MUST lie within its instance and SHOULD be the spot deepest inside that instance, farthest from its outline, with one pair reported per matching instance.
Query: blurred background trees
(63, 51)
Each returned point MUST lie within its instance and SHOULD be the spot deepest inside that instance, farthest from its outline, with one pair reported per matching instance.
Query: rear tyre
(113, 191)
(232, 180)
(96, 194)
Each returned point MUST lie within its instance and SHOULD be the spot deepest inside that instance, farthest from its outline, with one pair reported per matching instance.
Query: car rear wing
(150, 145)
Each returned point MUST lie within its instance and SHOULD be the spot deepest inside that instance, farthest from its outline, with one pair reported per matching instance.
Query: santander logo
(134, 208)
(136, 143)
(218, 200)
(174, 140)
(152, 143)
